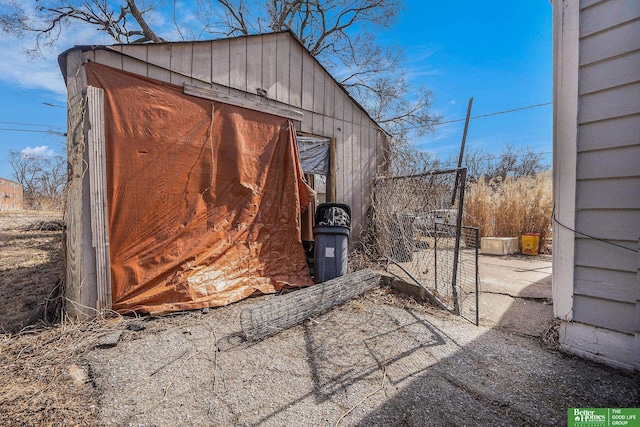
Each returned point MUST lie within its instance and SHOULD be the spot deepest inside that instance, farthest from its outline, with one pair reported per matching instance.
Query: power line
(33, 131)
(31, 124)
(50, 104)
(609, 242)
(528, 107)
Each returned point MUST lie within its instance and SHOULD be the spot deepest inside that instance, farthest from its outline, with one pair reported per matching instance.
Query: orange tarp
(204, 198)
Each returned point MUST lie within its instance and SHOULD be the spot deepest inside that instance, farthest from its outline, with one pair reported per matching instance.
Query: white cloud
(40, 72)
(417, 63)
(40, 151)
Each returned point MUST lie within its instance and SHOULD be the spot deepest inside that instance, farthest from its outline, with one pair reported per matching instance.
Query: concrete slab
(516, 275)
(515, 293)
(522, 316)
(379, 360)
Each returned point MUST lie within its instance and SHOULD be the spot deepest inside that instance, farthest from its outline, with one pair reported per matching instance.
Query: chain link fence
(417, 227)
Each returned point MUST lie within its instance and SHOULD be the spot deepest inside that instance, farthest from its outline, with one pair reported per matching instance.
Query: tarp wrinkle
(201, 212)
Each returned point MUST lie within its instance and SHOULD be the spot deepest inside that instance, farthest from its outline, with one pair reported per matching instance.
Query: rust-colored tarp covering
(204, 198)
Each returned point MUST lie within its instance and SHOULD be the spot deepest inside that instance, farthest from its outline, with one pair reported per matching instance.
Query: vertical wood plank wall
(95, 148)
(79, 257)
(280, 65)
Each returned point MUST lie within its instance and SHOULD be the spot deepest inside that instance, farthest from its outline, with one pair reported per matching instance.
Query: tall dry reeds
(511, 207)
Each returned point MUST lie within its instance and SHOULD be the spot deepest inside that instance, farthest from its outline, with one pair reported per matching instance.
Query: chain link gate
(418, 227)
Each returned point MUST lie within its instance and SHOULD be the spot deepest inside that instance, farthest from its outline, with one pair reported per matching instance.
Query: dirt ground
(379, 360)
(30, 264)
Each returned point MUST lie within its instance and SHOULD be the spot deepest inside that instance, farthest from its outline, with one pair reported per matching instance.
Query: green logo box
(603, 417)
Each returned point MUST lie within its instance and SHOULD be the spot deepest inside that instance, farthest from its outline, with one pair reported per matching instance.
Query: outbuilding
(190, 168)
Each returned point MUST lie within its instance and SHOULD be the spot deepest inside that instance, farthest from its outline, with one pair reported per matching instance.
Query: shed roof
(84, 48)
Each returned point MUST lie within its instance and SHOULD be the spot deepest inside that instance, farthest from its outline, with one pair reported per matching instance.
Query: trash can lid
(331, 214)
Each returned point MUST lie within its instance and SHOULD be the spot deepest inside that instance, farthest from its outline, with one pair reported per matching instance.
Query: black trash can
(331, 234)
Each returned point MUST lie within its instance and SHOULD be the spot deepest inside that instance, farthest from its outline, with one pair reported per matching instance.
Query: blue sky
(497, 52)
(500, 53)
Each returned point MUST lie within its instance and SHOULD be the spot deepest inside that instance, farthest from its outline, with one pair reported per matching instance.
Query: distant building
(11, 197)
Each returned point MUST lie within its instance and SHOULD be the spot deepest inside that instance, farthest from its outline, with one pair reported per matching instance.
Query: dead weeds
(44, 381)
(551, 335)
(30, 264)
(37, 385)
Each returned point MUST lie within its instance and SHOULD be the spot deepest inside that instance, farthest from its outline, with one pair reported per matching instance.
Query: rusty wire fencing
(417, 227)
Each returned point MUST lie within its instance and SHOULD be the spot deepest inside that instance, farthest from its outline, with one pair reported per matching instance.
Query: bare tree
(339, 33)
(405, 160)
(43, 179)
(513, 162)
(123, 20)
(26, 170)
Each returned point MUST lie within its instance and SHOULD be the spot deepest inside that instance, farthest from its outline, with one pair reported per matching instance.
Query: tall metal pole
(462, 177)
(464, 141)
(477, 278)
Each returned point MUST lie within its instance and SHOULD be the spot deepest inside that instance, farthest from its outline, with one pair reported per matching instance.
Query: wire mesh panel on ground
(417, 223)
(285, 311)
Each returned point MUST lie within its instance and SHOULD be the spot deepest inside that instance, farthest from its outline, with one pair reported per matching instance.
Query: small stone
(205, 310)
(136, 326)
(109, 340)
(78, 375)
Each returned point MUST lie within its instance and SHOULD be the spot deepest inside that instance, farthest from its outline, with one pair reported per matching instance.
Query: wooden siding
(608, 166)
(606, 45)
(617, 193)
(279, 65)
(620, 101)
(98, 194)
(612, 133)
(80, 258)
(622, 162)
(605, 313)
(606, 284)
(618, 71)
(636, 350)
(602, 16)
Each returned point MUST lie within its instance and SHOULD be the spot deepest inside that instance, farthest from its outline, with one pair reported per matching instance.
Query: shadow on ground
(451, 373)
(30, 265)
(505, 380)
(378, 360)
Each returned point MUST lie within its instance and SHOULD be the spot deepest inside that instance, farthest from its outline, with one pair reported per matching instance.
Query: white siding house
(596, 280)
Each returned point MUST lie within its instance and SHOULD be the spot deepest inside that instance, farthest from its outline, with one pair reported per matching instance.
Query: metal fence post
(461, 177)
(477, 278)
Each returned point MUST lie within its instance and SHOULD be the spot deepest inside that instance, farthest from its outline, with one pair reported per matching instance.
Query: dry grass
(551, 335)
(30, 264)
(511, 208)
(43, 381)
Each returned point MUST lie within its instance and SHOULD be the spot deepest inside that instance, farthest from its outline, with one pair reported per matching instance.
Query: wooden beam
(331, 179)
(98, 195)
(268, 106)
(78, 262)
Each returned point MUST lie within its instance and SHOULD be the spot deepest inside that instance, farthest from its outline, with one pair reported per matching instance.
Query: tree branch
(148, 33)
